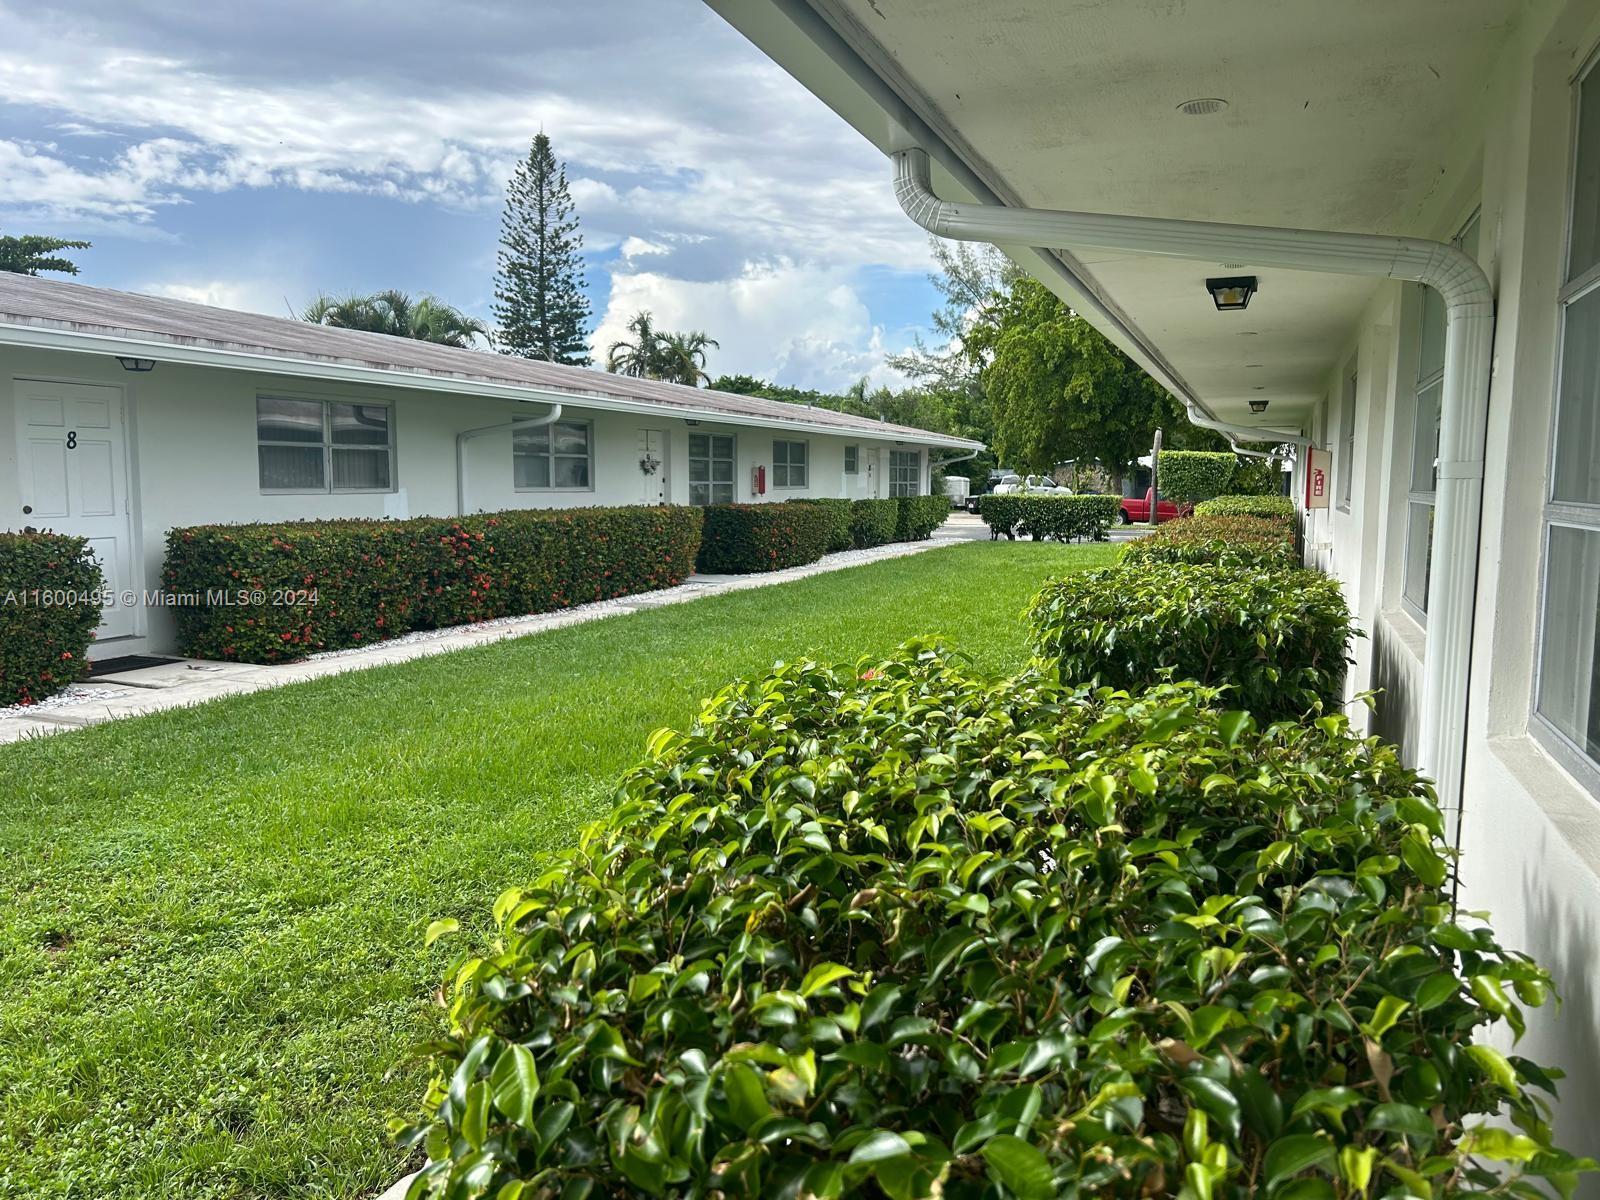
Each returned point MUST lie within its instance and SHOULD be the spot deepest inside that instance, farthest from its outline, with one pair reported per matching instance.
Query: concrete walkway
(193, 681)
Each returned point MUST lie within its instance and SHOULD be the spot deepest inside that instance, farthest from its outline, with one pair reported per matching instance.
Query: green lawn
(211, 963)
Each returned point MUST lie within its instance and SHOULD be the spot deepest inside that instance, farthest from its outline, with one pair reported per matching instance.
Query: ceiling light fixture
(1232, 294)
(1205, 106)
(137, 364)
(1258, 406)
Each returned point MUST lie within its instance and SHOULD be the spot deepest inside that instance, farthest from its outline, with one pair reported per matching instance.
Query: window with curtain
(556, 458)
(323, 445)
(1567, 698)
(789, 465)
(711, 466)
(905, 473)
(1424, 467)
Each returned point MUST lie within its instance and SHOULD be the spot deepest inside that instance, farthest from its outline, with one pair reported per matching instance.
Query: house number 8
(72, 439)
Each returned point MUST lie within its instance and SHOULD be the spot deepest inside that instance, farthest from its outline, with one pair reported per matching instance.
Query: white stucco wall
(1530, 831)
(192, 457)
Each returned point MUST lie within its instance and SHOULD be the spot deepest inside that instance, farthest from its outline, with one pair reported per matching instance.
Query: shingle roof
(28, 303)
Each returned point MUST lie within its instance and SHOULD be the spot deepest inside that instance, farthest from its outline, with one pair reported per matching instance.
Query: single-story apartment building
(1370, 228)
(123, 416)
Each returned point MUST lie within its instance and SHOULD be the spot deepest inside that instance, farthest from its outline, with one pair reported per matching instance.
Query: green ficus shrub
(873, 522)
(1245, 542)
(50, 605)
(1272, 507)
(839, 535)
(905, 932)
(1058, 518)
(742, 539)
(1195, 474)
(276, 592)
(1275, 639)
(916, 517)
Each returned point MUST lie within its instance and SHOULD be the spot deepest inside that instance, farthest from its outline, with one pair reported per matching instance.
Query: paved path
(191, 681)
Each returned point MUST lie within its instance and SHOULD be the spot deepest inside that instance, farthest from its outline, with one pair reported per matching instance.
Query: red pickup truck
(1137, 509)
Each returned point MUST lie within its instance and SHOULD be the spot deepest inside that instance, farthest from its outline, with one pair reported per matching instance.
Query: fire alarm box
(758, 480)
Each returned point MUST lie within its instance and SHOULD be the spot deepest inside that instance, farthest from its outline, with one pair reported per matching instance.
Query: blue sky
(254, 155)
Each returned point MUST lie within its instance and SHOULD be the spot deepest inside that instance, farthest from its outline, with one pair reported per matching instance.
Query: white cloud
(240, 295)
(804, 325)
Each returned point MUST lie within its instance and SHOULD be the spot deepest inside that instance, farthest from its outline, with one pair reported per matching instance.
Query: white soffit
(1357, 115)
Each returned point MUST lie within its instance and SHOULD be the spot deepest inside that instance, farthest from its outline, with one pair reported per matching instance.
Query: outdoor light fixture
(690, 421)
(137, 364)
(1232, 293)
(1258, 406)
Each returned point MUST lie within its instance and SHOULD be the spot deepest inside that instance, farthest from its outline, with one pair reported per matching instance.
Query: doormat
(99, 668)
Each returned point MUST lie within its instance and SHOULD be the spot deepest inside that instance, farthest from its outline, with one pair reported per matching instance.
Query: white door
(74, 478)
(653, 464)
(869, 460)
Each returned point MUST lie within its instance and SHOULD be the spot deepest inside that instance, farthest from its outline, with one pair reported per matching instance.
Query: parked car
(987, 487)
(1136, 509)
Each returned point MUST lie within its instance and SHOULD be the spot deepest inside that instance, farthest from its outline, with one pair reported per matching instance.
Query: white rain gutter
(1464, 408)
(466, 435)
(945, 462)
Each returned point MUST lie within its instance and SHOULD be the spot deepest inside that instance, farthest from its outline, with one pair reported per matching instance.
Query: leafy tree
(975, 280)
(538, 290)
(31, 253)
(1058, 389)
(426, 319)
(660, 354)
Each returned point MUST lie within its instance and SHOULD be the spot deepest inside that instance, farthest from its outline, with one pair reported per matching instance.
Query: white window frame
(709, 458)
(327, 446)
(896, 469)
(1346, 466)
(852, 460)
(1564, 514)
(788, 464)
(551, 455)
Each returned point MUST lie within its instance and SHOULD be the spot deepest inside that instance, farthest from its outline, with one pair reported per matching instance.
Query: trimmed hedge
(742, 539)
(1062, 518)
(1195, 474)
(1275, 639)
(1279, 508)
(873, 522)
(906, 932)
(292, 589)
(916, 517)
(839, 536)
(51, 594)
(1249, 542)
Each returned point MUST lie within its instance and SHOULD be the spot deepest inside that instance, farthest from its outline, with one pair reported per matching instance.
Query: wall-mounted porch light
(691, 422)
(137, 364)
(1258, 406)
(1232, 293)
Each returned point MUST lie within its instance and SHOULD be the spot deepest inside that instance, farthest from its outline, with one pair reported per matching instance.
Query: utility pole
(1155, 478)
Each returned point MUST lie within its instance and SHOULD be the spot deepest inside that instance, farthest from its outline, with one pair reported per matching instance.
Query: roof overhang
(1359, 117)
(44, 337)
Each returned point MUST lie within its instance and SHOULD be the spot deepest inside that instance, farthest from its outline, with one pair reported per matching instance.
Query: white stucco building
(1369, 142)
(123, 416)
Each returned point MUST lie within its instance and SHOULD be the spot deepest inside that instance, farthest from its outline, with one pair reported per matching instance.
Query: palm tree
(640, 358)
(427, 319)
(686, 357)
(657, 354)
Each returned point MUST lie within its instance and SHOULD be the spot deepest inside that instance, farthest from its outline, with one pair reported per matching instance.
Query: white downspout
(1464, 408)
(462, 438)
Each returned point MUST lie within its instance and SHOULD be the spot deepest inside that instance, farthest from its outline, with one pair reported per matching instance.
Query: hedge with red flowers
(276, 592)
(743, 539)
(50, 604)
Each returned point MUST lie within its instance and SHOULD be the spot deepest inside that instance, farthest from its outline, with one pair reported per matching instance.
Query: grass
(211, 919)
